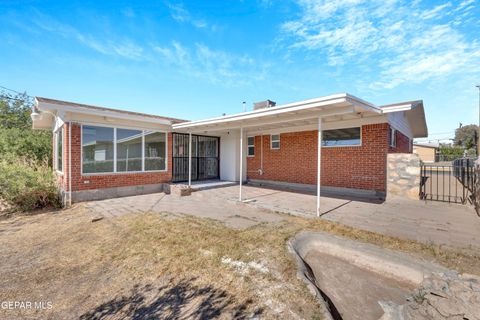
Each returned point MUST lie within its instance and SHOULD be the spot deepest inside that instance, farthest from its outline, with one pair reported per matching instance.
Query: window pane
(275, 137)
(97, 149)
(341, 137)
(275, 145)
(251, 151)
(60, 149)
(251, 141)
(129, 150)
(155, 143)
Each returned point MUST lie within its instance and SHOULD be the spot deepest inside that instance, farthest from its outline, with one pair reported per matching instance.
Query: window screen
(341, 137)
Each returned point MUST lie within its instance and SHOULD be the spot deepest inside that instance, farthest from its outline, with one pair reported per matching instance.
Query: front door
(205, 157)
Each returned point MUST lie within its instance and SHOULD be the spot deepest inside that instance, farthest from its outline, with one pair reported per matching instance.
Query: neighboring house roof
(433, 145)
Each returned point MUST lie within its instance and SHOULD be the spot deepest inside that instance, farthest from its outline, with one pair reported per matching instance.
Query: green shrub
(26, 143)
(28, 184)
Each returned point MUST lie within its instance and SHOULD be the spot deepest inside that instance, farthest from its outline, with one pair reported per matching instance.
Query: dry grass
(155, 265)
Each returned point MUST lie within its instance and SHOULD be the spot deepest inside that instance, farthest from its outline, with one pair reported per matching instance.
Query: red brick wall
(403, 144)
(362, 167)
(106, 180)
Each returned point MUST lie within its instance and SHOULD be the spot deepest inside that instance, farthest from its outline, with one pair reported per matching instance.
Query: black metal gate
(205, 157)
(448, 183)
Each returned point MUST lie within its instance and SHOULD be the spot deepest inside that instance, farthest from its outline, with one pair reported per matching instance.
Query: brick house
(101, 152)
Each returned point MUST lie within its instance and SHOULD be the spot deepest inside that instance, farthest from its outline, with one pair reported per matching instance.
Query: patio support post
(319, 164)
(189, 159)
(241, 165)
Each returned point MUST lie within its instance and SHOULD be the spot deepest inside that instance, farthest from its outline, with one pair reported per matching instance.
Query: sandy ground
(227, 261)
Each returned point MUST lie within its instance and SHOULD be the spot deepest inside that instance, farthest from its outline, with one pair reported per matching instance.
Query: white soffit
(328, 106)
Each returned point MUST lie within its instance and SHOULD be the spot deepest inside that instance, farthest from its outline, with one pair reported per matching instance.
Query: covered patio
(326, 113)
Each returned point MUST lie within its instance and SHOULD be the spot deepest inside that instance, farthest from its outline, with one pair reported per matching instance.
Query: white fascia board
(298, 106)
(398, 108)
(102, 113)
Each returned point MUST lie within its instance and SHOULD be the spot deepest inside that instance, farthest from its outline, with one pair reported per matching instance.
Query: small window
(59, 149)
(251, 146)
(341, 137)
(275, 141)
(393, 138)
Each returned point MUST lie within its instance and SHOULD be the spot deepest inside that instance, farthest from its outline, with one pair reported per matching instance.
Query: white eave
(50, 111)
(415, 114)
(325, 107)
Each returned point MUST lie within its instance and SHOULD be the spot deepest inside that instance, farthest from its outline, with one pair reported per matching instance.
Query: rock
(440, 296)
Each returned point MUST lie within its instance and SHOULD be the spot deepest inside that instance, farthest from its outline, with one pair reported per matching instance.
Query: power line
(11, 98)
(18, 92)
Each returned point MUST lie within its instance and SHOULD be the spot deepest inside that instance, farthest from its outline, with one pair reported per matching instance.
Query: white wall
(229, 156)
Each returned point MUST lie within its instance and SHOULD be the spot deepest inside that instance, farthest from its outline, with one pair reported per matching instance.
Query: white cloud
(180, 14)
(215, 66)
(435, 12)
(404, 42)
(123, 47)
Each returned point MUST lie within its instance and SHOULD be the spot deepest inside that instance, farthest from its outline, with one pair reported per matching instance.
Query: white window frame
(55, 154)
(393, 138)
(346, 145)
(251, 146)
(115, 150)
(271, 141)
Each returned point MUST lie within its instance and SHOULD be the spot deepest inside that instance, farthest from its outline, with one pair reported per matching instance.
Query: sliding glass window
(129, 150)
(342, 137)
(108, 150)
(155, 150)
(97, 149)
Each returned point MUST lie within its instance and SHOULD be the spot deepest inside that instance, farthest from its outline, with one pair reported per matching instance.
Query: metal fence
(453, 183)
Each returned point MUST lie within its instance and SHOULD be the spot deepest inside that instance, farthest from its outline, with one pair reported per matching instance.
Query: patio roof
(332, 108)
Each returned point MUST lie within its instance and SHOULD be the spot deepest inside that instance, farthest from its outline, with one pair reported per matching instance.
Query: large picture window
(59, 149)
(341, 137)
(109, 150)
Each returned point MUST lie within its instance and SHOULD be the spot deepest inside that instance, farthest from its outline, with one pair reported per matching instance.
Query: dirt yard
(171, 266)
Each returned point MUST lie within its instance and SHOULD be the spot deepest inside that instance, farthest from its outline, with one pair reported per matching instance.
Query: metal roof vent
(264, 104)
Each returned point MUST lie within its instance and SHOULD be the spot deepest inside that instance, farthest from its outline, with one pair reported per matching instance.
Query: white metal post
(241, 165)
(189, 159)
(319, 164)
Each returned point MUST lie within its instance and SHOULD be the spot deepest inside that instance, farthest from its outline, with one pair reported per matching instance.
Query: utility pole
(478, 136)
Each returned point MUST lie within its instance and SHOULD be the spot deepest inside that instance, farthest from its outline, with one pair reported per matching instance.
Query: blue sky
(196, 59)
